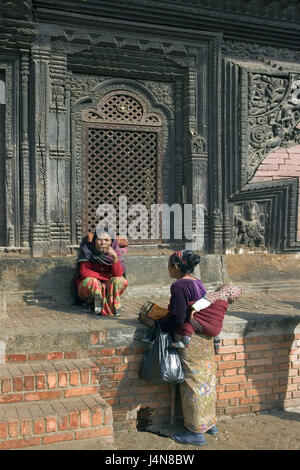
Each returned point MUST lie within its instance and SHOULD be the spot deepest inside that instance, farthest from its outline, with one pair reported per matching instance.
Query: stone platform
(35, 281)
(38, 328)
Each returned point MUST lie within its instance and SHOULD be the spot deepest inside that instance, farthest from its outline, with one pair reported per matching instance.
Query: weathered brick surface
(52, 422)
(44, 381)
(247, 369)
(254, 373)
(263, 382)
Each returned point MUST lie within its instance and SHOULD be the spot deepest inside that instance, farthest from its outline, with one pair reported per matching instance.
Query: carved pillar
(195, 161)
(216, 182)
(59, 151)
(76, 176)
(216, 226)
(231, 149)
(195, 177)
(178, 140)
(10, 163)
(2, 160)
(10, 226)
(24, 152)
(189, 100)
(40, 230)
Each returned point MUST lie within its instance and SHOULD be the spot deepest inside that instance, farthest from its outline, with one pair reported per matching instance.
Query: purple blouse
(184, 292)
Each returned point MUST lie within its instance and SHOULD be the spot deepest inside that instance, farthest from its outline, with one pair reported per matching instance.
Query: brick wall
(121, 387)
(258, 373)
(283, 163)
(254, 373)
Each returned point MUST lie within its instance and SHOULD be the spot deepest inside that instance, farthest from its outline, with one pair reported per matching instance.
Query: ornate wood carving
(254, 51)
(175, 71)
(18, 9)
(267, 119)
(40, 235)
(274, 113)
(122, 107)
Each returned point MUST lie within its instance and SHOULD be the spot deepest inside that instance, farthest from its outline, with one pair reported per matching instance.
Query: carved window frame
(191, 61)
(80, 105)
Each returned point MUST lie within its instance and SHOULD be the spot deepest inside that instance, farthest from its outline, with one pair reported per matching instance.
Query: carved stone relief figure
(250, 226)
(274, 113)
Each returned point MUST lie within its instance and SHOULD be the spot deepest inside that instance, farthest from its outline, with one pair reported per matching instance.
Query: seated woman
(198, 391)
(100, 274)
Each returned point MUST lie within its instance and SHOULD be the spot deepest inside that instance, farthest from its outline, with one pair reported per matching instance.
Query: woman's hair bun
(191, 258)
(186, 260)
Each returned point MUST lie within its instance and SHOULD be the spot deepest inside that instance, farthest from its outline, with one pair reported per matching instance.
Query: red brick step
(29, 424)
(47, 381)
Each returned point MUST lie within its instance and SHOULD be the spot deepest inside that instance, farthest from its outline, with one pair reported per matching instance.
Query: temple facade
(141, 103)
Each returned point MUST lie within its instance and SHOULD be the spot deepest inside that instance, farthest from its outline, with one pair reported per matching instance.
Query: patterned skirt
(198, 391)
(109, 291)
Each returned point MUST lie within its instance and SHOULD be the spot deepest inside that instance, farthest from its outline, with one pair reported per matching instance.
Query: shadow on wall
(136, 403)
(270, 365)
(53, 288)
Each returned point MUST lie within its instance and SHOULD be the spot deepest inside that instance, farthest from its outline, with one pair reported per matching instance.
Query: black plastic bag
(161, 363)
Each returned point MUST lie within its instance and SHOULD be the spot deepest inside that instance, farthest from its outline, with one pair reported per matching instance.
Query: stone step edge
(69, 419)
(46, 380)
(85, 344)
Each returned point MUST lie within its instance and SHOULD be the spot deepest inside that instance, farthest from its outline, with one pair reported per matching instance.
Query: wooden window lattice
(122, 157)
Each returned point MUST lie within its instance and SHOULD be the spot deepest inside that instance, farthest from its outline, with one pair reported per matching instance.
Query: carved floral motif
(250, 50)
(18, 9)
(81, 86)
(274, 113)
(198, 143)
(164, 92)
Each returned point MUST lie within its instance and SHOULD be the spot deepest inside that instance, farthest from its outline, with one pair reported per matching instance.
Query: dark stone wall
(2, 181)
(223, 78)
(2, 161)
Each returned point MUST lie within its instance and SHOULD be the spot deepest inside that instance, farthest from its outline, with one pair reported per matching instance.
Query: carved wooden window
(2, 160)
(122, 157)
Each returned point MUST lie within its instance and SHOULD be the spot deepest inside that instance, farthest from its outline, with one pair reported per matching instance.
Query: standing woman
(100, 274)
(198, 391)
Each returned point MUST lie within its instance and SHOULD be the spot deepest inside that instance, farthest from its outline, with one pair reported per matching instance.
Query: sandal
(98, 305)
(213, 430)
(117, 313)
(191, 438)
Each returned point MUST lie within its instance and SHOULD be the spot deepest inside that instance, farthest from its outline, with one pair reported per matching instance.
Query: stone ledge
(259, 325)
(39, 277)
(113, 333)
(261, 267)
